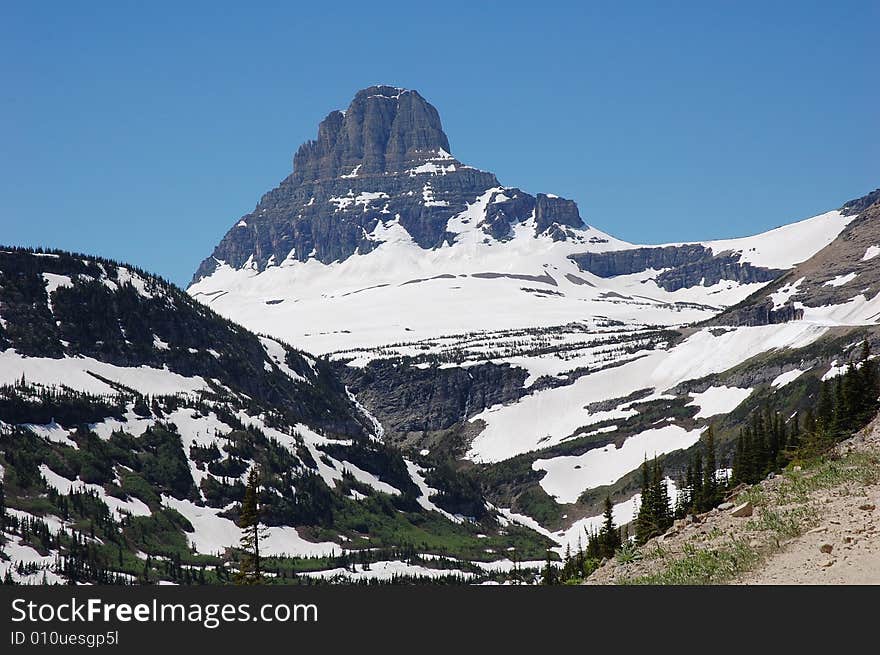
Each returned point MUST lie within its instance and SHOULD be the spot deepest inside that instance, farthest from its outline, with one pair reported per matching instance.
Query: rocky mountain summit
(385, 160)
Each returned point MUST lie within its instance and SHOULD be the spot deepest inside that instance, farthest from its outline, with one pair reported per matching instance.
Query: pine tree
(683, 499)
(594, 552)
(853, 397)
(759, 459)
(580, 559)
(710, 483)
(794, 433)
(2, 507)
(868, 384)
(608, 535)
(663, 512)
(839, 420)
(645, 527)
(739, 457)
(249, 522)
(810, 424)
(697, 488)
(549, 575)
(825, 408)
(655, 512)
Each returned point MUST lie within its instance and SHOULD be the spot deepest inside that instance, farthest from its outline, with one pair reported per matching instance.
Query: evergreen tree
(696, 491)
(645, 528)
(810, 424)
(710, 483)
(655, 513)
(249, 522)
(594, 552)
(739, 473)
(548, 576)
(663, 512)
(839, 414)
(868, 371)
(794, 433)
(825, 408)
(683, 501)
(609, 536)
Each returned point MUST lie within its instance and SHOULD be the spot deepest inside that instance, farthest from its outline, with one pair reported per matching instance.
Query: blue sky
(142, 131)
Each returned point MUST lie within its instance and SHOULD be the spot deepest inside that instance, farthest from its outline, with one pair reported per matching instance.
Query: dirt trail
(816, 526)
(853, 535)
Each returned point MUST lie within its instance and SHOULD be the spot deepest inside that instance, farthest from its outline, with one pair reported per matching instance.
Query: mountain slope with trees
(141, 435)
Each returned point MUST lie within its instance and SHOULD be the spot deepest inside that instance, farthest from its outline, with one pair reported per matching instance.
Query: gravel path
(853, 536)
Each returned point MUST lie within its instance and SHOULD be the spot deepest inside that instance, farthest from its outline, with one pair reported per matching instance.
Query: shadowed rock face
(384, 161)
(683, 266)
(413, 400)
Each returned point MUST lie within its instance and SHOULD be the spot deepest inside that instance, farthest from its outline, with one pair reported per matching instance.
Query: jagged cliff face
(384, 160)
(680, 267)
(380, 235)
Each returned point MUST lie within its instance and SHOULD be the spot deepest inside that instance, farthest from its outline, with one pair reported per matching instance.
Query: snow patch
(133, 506)
(278, 354)
(718, 400)
(871, 252)
(840, 280)
(570, 475)
(74, 372)
(781, 296)
(786, 378)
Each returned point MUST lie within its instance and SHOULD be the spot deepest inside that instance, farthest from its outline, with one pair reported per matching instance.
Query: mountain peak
(386, 129)
(382, 170)
(384, 91)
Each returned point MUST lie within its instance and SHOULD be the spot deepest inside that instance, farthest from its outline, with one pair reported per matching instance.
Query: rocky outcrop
(383, 164)
(759, 314)
(406, 399)
(553, 211)
(505, 209)
(681, 266)
(859, 205)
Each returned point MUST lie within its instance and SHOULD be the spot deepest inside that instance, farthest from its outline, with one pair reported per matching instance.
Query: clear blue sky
(143, 130)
